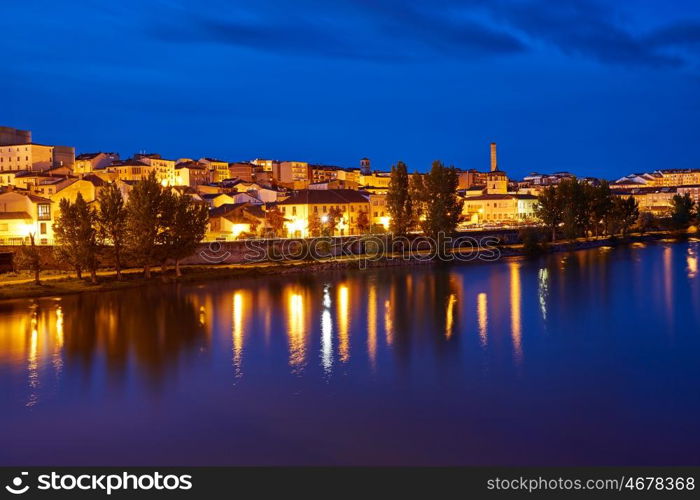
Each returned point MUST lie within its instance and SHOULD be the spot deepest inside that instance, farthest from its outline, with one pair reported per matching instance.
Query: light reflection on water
(439, 356)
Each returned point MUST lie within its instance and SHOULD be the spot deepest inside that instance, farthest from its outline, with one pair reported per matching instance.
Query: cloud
(686, 34)
(583, 27)
(380, 30)
(405, 30)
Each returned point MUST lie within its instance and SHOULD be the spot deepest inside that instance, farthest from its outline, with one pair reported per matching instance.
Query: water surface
(587, 358)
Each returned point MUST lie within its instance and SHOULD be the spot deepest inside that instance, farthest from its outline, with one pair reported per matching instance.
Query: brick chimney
(494, 162)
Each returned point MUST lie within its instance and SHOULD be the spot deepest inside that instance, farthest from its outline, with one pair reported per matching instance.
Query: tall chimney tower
(494, 162)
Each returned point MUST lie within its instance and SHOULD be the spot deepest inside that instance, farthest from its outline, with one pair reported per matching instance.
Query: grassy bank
(56, 283)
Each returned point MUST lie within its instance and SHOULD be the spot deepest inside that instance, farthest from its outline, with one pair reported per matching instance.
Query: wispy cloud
(379, 30)
(400, 30)
(583, 27)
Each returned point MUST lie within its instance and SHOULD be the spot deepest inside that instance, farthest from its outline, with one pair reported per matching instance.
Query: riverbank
(60, 283)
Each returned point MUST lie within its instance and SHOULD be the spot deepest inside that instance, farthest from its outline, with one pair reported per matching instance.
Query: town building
(378, 211)
(242, 170)
(302, 206)
(219, 169)
(294, 174)
(89, 162)
(233, 221)
(322, 173)
(23, 214)
(191, 173)
(164, 169)
(655, 200)
(35, 157)
(10, 136)
(266, 165)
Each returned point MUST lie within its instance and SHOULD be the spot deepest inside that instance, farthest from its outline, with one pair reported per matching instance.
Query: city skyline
(331, 83)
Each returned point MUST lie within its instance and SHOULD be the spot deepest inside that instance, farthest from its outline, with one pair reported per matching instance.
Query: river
(585, 358)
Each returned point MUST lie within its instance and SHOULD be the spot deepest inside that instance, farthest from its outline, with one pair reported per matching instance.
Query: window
(42, 228)
(294, 210)
(44, 211)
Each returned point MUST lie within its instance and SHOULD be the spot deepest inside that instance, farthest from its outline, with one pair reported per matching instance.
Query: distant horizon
(483, 168)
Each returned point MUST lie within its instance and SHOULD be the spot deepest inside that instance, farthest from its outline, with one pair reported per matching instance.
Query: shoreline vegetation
(60, 283)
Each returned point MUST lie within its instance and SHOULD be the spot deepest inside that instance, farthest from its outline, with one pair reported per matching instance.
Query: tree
(335, 214)
(417, 195)
(602, 201)
(66, 232)
(143, 222)
(398, 200)
(315, 227)
(575, 197)
(274, 221)
(645, 222)
(28, 257)
(184, 224)
(111, 219)
(549, 209)
(682, 211)
(442, 205)
(363, 222)
(77, 236)
(625, 212)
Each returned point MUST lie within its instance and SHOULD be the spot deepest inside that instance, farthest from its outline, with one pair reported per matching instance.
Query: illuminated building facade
(306, 204)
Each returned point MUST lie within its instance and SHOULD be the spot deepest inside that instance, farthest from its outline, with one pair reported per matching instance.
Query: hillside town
(241, 195)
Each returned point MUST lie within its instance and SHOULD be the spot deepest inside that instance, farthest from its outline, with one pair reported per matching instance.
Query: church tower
(365, 168)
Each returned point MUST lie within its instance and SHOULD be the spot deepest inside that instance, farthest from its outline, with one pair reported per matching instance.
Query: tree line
(428, 203)
(155, 226)
(576, 208)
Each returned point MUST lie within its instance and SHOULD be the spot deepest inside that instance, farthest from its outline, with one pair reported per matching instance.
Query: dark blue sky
(597, 88)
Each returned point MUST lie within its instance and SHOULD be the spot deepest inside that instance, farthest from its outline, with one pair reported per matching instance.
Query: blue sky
(596, 88)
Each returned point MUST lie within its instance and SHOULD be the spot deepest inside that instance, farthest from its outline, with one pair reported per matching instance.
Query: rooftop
(327, 196)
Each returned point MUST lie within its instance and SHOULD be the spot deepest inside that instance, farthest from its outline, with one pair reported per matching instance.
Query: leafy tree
(418, 197)
(143, 222)
(645, 222)
(575, 199)
(66, 232)
(625, 212)
(442, 205)
(184, 224)
(111, 219)
(335, 214)
(398, 200)
(682, 211)
(533, 240)
(601, 206)
(28, 257)
(363, 222)
(77, 236)
(549, 209)
(274, 221)
(315, 227)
